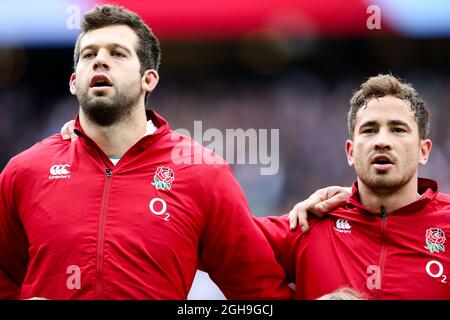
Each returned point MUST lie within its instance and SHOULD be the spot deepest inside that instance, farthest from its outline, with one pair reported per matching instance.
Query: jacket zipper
(101, 231)
(384, 217)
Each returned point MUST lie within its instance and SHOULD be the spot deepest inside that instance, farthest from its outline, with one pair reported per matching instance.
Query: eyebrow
(110, 45)
(398, 123)
(372, 123)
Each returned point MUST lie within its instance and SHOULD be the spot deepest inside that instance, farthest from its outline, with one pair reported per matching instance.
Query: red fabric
(331, 255)
(9, 290)
(68, 221)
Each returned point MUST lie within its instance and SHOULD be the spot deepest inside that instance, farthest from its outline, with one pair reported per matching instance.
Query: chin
(386, 183)
(100, 102)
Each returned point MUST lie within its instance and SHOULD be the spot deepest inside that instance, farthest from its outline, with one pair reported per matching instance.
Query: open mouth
(100, 81)
(382, 162)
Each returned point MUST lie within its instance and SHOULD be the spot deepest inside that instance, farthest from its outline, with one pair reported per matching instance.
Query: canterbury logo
(342, 225)
(59, 171)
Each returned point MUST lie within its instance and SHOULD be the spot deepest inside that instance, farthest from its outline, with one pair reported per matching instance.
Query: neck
(390, 199)
(116, 139)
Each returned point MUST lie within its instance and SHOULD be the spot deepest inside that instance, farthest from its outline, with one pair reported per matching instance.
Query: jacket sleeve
(13, 241)
(282, 240)
(233, 250)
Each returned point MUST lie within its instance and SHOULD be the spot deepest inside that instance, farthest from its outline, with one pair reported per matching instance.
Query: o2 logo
(435, 269)
(158, 207)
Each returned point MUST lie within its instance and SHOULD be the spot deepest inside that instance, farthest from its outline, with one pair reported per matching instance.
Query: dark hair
(148, 50)
(389, 85)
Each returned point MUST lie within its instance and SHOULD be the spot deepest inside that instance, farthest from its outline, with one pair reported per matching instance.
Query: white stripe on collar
(151, 129)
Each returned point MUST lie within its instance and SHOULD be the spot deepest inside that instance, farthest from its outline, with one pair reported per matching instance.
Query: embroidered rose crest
(435, 240)
(163, 178)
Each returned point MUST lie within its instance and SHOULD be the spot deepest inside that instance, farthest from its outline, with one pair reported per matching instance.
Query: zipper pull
(383, 213)
(108, 172)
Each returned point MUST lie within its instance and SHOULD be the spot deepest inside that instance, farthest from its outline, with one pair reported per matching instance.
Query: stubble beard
(105, 111)
(385, 182)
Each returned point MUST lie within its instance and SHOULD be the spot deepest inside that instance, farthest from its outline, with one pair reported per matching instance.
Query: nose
(101, 60)
(383, 140)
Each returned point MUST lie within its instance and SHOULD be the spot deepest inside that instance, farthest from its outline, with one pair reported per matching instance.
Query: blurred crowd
(311, 113)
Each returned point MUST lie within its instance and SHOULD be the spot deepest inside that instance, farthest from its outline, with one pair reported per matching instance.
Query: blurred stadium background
(283, 64)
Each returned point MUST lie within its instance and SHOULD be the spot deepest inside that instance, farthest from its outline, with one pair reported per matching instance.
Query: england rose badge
(435, 239)
(163, 178)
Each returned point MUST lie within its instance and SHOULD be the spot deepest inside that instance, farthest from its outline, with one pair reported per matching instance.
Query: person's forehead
(385, 108)
(118, 34)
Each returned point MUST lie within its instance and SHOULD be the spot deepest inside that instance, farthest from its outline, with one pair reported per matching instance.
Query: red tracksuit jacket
(74, 226)
(403, 255)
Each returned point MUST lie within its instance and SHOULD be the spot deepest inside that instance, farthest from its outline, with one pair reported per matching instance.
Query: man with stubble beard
(388, 241)
(117, 214)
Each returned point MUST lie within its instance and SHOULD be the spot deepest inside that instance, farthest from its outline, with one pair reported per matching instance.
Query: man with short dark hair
(388, 241)
(117, 214)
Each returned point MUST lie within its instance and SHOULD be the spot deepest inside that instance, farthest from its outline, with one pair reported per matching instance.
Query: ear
(425, 149)
(349, 152)
(149, 80)
(72, 84)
